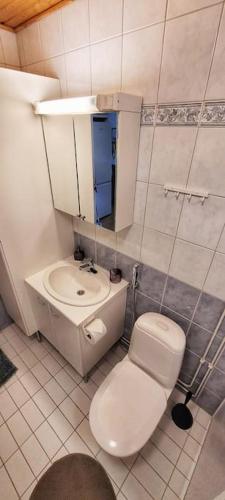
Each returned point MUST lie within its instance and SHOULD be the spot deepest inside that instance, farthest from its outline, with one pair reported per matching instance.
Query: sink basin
(67, 283)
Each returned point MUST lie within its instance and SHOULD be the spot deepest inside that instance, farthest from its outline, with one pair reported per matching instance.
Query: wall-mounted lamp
(89, 104)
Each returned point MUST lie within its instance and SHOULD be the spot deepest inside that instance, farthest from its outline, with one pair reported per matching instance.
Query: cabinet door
(41, 311)
(60, 146)
(67, 339)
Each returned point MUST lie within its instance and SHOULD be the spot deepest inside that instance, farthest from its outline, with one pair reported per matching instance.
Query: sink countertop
(75, 314)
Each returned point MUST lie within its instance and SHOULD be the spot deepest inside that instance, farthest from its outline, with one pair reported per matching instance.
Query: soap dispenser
(79, 254)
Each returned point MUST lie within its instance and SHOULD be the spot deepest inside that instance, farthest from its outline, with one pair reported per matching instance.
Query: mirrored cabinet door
(61, 153)
(92, 163)
(104, 136)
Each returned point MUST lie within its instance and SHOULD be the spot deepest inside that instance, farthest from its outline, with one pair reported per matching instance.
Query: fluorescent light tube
(68, 106)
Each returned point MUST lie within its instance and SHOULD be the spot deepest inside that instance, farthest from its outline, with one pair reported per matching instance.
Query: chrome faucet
(87, 265)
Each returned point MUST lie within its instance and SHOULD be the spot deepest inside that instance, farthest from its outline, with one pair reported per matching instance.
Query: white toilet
(129, 404)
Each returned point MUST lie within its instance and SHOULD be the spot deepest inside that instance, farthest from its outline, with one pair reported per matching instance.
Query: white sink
(67, 283)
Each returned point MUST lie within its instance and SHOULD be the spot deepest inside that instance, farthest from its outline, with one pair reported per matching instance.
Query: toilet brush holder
(181, 414)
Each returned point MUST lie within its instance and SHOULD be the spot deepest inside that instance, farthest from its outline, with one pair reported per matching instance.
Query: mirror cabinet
(92, 161)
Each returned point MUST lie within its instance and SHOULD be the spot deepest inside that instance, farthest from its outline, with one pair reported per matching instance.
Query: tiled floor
(44, 416)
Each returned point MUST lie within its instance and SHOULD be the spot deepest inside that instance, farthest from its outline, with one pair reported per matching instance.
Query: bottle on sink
(79, 254)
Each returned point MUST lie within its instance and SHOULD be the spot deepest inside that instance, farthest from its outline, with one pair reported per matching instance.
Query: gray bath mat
(74, 477)
(7, 368)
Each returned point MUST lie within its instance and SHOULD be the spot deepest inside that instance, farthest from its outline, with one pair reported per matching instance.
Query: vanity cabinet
(70, 339)
(66, 338)
(42, 316)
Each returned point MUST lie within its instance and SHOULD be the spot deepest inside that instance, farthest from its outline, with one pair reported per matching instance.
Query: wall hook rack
(187, 192)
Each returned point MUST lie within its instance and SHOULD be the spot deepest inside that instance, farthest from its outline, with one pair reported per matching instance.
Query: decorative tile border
(179, 114)
(193, 114)
(148, 115)
(213, 114)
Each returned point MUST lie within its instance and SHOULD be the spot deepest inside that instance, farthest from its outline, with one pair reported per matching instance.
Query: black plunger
(181, 414)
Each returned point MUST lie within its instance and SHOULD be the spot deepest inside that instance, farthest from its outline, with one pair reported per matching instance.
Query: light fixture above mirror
(89, 104)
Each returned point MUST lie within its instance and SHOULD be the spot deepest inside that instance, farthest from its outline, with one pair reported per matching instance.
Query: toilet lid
(126, 409)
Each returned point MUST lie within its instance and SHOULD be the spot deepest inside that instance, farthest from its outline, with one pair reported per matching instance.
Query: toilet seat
(126, 409)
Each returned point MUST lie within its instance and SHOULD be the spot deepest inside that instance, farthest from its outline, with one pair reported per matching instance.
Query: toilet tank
(157, 346)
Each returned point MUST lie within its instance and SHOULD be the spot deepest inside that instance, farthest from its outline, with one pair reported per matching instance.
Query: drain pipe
(211, 366)
(203, 358)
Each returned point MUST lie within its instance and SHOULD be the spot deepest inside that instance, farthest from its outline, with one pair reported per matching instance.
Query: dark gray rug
(7, 368)
(74, 477)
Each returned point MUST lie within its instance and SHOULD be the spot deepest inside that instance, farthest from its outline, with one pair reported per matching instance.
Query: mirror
(92, 162)
(104, 136)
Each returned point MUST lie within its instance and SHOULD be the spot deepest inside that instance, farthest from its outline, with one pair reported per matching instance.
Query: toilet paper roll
(95, 331)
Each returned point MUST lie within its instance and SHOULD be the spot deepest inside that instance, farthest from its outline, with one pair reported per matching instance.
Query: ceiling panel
(19, 12)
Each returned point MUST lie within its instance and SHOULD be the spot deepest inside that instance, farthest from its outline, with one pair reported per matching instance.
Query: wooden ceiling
(15, 14)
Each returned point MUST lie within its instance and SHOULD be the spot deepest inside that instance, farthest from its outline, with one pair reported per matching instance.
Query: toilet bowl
(130, 402)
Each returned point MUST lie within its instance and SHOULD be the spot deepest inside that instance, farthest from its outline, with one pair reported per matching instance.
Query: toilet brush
(181, 414)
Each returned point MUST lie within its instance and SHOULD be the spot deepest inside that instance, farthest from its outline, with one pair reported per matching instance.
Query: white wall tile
(78, 72)
(180, 7)
(141, 62)
(19, 38)
(86, 229)
(142, 13)
(215, 280)
(162, 212)
(140, 202)
(75, 24)
(144, 156)
(105, 237)
(216, 85)
(106, 66)
(2, 58)
(10, 49)
(202, 223)
(172, 152)
(36, 68)
(51, 35)
(208, 166)
(190, 263)
(156, 249)
(31, 42)
(129, 241)
(56, 68)
(221, 245)
(187, 55)
(105, 19)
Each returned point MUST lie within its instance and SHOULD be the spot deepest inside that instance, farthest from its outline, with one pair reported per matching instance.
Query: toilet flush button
(162, 325)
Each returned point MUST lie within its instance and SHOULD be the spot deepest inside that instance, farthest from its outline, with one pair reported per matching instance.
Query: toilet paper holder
(94, 330)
